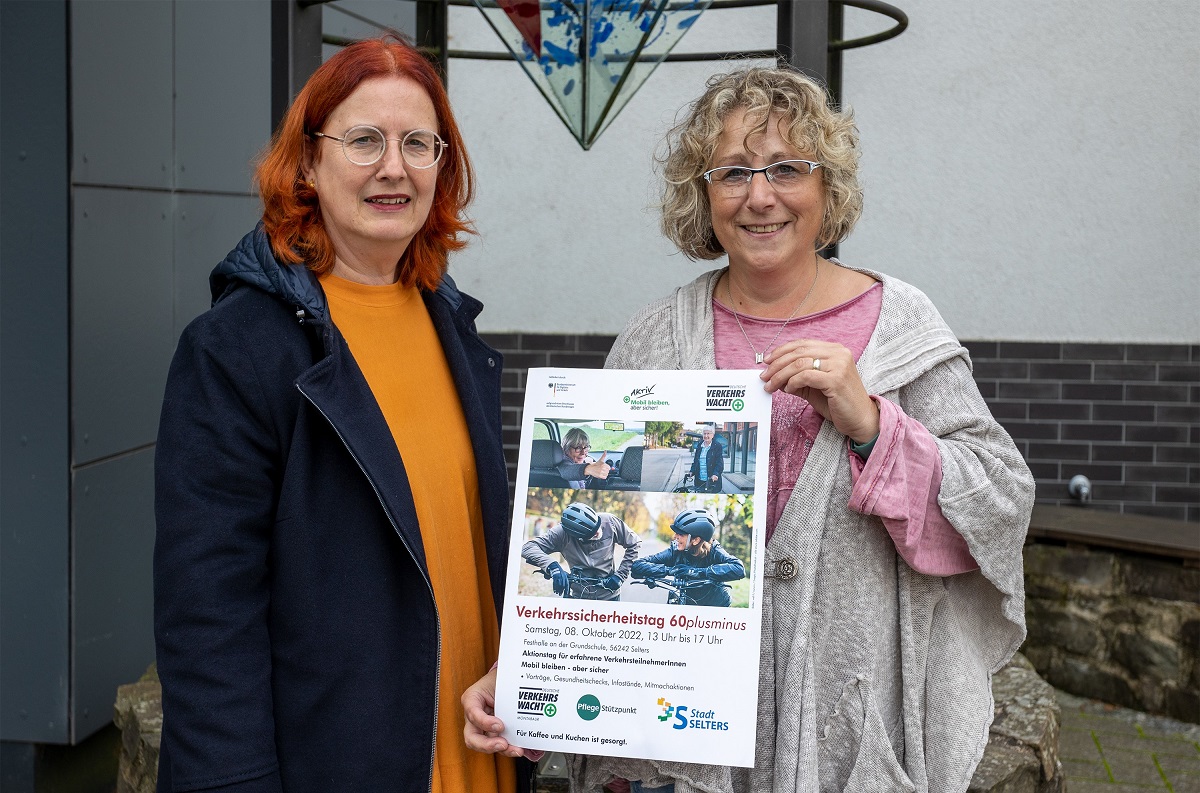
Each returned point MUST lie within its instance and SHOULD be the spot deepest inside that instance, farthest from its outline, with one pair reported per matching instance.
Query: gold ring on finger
(817, 364)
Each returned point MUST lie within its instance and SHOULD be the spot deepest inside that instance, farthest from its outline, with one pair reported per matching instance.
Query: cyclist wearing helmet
(586, 540)
(694, 555)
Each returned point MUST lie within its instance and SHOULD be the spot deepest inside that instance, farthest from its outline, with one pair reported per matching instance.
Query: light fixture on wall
(1080, 488)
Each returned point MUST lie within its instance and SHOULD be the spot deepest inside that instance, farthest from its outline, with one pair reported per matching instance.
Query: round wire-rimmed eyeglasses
(365, 145)
(783, 175)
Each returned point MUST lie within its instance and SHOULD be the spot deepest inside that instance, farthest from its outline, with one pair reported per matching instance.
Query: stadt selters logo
(686, 718)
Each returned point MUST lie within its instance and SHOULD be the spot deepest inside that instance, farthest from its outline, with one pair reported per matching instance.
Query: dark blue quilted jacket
(298, 642)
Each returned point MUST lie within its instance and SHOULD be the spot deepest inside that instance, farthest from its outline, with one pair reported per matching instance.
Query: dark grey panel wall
(357, 19)
(122, 330)
(206, 228)
(360, 19)
(172, 102)
(113, 504)
(121, 75)
(222, 92)
(33, 377)
(126, 133)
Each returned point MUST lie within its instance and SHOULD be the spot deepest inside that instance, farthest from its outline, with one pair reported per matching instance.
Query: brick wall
(1127, 416)
(524, 351)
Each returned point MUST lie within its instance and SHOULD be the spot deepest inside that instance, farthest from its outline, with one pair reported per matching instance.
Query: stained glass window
(588, 57)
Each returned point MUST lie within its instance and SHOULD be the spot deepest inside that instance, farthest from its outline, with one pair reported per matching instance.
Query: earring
(312, 185)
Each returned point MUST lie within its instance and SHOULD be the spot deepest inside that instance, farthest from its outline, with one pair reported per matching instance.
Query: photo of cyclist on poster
(586, 540)
(695, 560)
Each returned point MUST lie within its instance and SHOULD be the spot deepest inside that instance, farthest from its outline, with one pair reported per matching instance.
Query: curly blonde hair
(807, 121)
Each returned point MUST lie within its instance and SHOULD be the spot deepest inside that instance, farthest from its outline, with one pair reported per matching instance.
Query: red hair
(291, 212)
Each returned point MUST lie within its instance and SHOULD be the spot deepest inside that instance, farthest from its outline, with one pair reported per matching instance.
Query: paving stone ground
(1106, 749)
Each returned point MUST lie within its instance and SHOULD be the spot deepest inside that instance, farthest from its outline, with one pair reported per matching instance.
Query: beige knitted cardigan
(873, 677)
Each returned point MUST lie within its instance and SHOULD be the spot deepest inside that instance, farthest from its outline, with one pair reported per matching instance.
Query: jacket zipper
(428, 583)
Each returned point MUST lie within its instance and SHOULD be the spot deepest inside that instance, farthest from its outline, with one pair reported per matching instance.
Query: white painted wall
(1031, 164)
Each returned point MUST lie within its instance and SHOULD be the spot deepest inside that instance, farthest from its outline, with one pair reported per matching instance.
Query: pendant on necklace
(758, 357)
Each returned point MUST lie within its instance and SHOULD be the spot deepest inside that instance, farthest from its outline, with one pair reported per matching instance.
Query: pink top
(898, 482)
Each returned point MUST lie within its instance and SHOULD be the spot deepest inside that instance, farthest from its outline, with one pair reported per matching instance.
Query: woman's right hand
(598, 469)
(832, 386)
(483, 730)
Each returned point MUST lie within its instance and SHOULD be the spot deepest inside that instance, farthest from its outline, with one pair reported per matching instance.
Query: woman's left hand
(482, 731)
(823, 373)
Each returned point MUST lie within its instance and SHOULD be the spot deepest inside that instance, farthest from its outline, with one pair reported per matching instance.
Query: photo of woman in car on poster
(585, 454)
(645, 456)
(578, 467)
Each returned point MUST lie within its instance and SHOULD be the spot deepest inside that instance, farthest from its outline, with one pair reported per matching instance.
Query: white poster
(632, 623)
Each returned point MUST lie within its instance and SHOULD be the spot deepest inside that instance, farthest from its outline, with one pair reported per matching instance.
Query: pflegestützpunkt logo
(588, 707)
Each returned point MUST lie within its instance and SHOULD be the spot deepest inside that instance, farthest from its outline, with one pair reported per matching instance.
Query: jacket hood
(252, 262)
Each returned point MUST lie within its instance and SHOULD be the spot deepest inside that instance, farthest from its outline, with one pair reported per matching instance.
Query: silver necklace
(758, 356)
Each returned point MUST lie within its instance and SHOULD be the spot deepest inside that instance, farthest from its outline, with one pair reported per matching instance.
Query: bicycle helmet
(580, 521)
(695, 522)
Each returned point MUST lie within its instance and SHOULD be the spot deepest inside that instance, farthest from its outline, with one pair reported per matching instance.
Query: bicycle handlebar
(668, 582)
(577, 579)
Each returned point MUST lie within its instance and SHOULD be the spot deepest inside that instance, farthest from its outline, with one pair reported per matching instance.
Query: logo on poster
(725, 397)
(643, 399)
(588, 707)
(537, 701)
(689, 718)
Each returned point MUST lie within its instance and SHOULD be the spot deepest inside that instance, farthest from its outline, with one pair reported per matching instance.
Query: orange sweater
(389, 331)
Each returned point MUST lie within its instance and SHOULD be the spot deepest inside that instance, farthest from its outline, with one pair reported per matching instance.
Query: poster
(637, 640)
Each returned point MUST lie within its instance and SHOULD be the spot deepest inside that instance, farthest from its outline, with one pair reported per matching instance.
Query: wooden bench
(1175, 539)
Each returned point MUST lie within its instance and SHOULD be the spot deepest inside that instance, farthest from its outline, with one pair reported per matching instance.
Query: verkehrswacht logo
(588, 707)
(537, 702)
(725, 397)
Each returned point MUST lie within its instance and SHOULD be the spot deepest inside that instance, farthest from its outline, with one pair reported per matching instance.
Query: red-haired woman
(331, 489)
